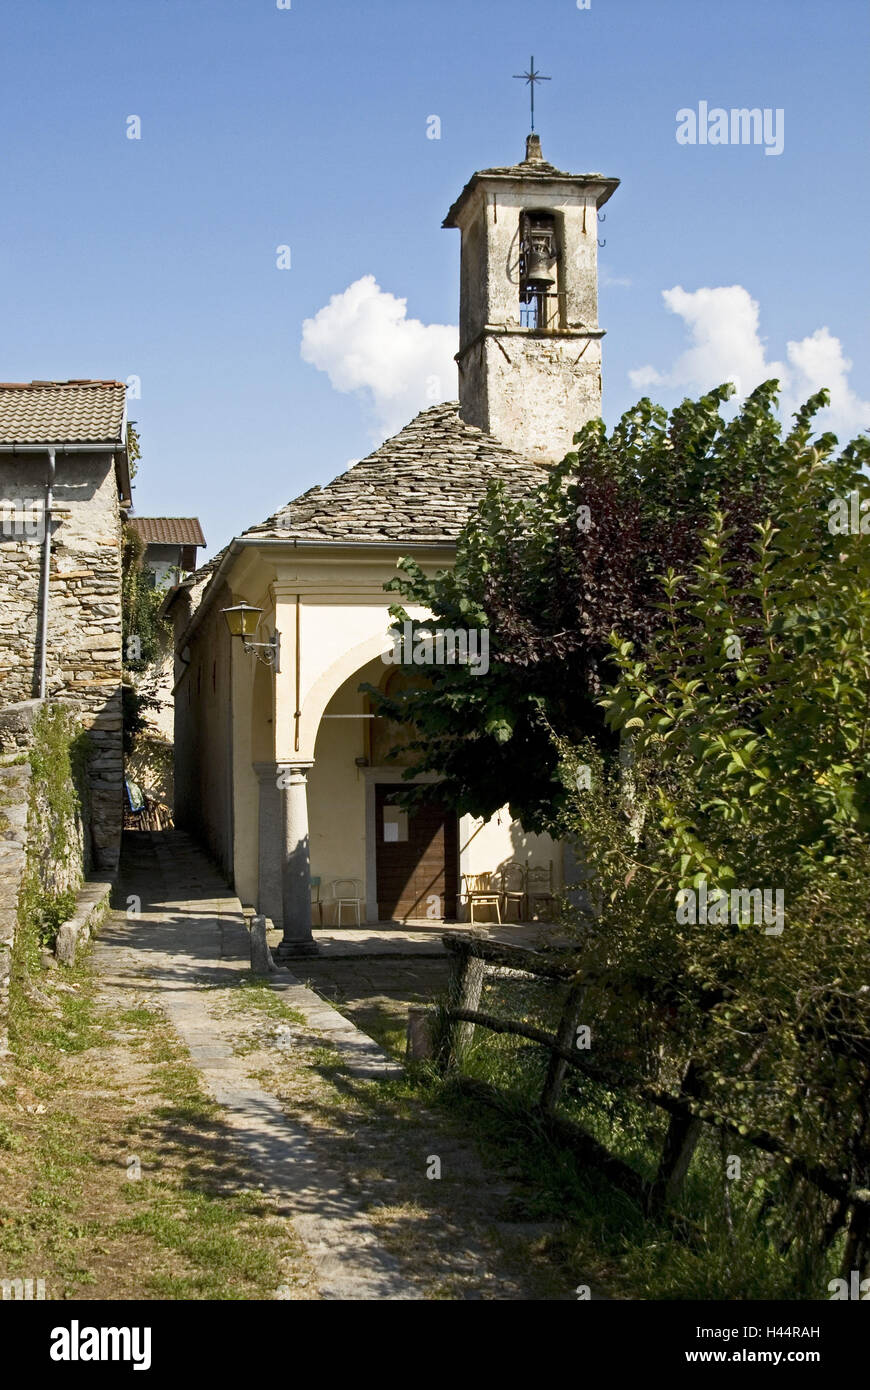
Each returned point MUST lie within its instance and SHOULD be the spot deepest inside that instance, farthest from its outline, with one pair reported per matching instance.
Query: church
(282, 769)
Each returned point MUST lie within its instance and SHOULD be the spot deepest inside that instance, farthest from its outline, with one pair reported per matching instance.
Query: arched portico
(286, 742)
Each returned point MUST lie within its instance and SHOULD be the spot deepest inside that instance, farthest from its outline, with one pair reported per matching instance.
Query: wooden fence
(470, 956)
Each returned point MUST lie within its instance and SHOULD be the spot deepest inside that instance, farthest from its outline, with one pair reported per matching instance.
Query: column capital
(292, 774)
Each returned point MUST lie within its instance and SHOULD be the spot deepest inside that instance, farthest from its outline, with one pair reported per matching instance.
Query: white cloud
(365, 342)
(819, 361)
(726, 345)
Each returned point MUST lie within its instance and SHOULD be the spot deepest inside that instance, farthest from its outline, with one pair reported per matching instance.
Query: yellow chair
(479, 888)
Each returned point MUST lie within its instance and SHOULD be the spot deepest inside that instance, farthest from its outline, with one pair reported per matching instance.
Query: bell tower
(529, 342)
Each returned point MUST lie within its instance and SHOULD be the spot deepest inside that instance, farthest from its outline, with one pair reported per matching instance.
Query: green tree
(747, 717)
(145, 635)
(552, 574)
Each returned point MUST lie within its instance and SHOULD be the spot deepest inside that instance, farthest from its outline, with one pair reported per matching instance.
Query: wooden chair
(346, 893)
(513, 888)
(539, 886)
(479, 888)
(316, 900)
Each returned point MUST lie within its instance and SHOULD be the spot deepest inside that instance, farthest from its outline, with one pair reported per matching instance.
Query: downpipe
(46, 571)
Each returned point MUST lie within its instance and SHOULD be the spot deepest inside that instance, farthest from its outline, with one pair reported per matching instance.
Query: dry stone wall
(44, 830)
(14, 798)
(84, 616)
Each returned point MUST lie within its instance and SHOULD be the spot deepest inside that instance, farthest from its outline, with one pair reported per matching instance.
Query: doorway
(416, 857)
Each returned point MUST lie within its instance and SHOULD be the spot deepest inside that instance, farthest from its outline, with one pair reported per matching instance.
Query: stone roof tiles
(533, 169)
(420, 487)
(62, 412)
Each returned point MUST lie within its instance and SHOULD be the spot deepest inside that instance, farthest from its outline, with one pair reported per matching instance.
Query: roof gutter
(98, 446)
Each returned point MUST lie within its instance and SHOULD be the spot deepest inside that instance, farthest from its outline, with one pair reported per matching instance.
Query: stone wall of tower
(532, 393)
(532, 386)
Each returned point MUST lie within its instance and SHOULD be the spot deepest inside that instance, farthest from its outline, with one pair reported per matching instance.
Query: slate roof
(168, 530)
(534, 168)
(420, 487)
(62, 412)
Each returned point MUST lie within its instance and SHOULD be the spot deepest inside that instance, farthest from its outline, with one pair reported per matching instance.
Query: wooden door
(416, 857)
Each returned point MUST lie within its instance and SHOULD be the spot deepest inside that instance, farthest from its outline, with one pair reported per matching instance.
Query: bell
(539, 271)
(540, 256)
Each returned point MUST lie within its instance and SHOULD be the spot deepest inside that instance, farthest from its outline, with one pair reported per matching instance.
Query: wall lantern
(243, 621)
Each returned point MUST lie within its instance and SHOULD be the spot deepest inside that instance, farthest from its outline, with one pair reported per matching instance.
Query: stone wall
(16, 726)
(84, 616)
(14, 798)
(554, 381)
(44, 823)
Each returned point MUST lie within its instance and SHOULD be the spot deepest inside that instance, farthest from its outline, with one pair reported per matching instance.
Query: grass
(715, 1246)
(258, 994)
(711, 1248)
(380, 1023)
(91, 1097)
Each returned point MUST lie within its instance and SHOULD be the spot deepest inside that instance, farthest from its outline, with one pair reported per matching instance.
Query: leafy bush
(745, 719)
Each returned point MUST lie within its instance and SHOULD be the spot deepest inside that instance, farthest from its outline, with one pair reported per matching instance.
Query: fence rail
(470, 956)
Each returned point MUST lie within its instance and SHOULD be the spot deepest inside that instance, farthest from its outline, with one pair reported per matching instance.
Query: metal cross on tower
(530, 78)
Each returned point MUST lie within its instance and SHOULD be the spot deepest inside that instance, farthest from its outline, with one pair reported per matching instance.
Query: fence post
(463, 992)
(565, 1039)
(681, 1140)
(419, 1044)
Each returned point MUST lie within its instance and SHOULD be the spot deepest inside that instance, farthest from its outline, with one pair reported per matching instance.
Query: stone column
(270, 836)
(295, 867)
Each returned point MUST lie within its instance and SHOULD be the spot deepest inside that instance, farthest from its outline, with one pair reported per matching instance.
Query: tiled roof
(419, 487)
(62, 412)
(168, 530)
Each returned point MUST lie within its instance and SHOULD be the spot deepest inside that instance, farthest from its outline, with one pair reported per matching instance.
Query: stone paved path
(189, 939)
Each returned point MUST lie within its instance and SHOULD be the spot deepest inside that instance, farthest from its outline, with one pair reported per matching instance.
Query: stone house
(64, 489)
(171, 543)
(281, 767)
(170, 546)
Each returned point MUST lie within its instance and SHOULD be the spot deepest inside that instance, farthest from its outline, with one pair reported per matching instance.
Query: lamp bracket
(271, 650)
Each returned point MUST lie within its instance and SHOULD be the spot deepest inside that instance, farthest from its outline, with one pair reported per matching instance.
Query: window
(395, 825)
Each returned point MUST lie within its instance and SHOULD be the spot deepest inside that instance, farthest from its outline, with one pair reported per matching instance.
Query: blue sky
(307, 127)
